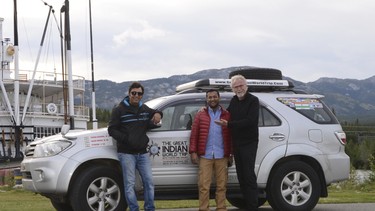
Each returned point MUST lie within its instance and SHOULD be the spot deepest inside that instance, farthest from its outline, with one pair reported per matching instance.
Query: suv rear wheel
(98, 188)
(294, 186)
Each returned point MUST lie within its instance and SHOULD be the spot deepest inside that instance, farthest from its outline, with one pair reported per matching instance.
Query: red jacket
(200, 129)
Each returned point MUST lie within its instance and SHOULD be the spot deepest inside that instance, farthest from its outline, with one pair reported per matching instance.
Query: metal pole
(93, 103)
(69, 64)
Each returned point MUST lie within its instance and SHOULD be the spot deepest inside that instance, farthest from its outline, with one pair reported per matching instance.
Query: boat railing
(50, 109)
(48, 78)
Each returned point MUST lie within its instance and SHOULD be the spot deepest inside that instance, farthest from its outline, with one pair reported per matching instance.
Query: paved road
(319, 207)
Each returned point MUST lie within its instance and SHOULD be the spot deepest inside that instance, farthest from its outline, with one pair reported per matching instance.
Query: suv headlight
(50, 148)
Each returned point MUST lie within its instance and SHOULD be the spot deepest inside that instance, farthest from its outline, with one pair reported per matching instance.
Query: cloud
(144, 39)
(141, 30)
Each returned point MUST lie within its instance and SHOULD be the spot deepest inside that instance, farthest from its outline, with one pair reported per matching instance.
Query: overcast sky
(145, 39)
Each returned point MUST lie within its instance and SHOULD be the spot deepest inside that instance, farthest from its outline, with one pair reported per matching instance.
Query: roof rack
(224, 84)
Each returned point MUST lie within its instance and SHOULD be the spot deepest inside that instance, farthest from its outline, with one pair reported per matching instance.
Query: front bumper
(47, 174)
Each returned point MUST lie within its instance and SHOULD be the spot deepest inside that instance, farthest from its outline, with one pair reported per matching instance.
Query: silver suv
(301, 152)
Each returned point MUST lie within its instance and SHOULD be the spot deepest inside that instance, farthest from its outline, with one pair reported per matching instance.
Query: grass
(17, 200)
(364, 193)
(20, 200)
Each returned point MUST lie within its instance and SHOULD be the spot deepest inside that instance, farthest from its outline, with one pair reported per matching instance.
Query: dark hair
(213, 90)
(135, 85)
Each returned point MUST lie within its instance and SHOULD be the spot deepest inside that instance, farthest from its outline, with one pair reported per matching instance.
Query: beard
(240, 94)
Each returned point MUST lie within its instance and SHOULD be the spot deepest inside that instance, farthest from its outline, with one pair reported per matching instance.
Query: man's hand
(230, 161)
(222, 122)
(194, 158)
(156, 118)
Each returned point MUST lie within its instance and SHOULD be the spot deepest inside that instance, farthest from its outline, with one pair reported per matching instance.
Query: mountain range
(351, 100)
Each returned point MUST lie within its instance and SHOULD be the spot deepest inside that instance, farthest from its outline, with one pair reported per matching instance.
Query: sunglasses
(137, 93)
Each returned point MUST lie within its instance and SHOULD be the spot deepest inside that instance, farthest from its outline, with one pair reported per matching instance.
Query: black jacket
(129, 124)
(244, 120)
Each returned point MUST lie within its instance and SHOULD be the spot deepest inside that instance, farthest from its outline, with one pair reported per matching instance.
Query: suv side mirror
(65, 129)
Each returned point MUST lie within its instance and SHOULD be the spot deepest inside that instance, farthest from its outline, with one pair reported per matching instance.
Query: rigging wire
(27, 40)
(50, 43)
(31, 55)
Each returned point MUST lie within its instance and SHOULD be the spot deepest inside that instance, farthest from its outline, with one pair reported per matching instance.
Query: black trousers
(244, 157)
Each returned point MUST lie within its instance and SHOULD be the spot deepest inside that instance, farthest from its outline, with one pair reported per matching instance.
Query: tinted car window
(266, 118)
(179, 116)
(312, 108)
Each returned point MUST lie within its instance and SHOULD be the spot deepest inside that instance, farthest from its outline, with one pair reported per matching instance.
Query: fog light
(40, 176)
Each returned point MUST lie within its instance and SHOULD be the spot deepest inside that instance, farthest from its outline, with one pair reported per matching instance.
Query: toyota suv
(301, 152)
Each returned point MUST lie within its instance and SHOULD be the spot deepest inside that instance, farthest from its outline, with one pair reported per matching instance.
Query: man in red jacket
(211, 148)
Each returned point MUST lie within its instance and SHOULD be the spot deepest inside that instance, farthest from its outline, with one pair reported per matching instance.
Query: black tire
(240, 203)
(98, 188)
(237, 202)
(60, 206)
(258, 73)
(294, 186)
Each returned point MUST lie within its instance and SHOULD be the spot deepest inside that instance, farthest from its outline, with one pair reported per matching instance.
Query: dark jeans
(244, 157)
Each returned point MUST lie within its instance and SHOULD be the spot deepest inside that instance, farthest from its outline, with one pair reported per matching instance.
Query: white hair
(237, 78)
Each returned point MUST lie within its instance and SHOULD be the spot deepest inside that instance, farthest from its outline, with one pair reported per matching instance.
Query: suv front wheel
(98, 188)
(294, 186)
(61, 206)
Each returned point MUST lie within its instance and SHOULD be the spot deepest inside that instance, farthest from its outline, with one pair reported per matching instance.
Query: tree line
(360, 144)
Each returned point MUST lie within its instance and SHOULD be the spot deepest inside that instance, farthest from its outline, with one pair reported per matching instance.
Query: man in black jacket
(129, 123)
(244, 112)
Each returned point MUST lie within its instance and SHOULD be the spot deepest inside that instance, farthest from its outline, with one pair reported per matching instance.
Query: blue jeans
(141, 162)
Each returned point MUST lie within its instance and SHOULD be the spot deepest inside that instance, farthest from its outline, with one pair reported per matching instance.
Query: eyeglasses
(240, 86)
(137, 93)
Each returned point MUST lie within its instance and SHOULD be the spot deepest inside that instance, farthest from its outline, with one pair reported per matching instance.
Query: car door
(273, 136)
(169, 147)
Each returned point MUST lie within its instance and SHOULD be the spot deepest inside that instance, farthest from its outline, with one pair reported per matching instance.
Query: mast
(17, 124)
(69, 63)
(93, 103)
(65, 96)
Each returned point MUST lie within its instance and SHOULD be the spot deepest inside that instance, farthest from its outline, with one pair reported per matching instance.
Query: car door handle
(277, 137)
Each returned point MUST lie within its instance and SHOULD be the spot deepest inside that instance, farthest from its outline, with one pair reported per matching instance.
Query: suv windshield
(312, 108)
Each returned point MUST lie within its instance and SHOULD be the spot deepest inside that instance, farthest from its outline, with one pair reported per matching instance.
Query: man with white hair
(244, 111)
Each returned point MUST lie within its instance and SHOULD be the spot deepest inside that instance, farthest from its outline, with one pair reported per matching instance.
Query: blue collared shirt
(215, 143)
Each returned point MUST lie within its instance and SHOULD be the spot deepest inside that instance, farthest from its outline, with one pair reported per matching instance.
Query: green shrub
(372, 168)
(360, 145)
